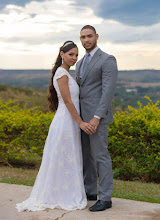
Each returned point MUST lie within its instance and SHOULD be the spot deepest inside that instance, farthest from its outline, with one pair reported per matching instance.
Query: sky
(31, 32)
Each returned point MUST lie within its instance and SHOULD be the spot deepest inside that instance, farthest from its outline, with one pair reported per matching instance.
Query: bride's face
(70, 57)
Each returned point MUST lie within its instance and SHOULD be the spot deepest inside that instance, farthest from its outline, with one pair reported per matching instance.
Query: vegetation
(25, 78)
(17, 175)
(148, 192)
(145, 82)
(22, 132)
(134, 143)
(40, 78)
(134, 139)
(123, 98)
(25, 97)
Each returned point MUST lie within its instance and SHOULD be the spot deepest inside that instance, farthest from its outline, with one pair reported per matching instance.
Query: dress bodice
(73, 86)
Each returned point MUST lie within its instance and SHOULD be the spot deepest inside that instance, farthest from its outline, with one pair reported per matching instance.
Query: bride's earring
(62, 60)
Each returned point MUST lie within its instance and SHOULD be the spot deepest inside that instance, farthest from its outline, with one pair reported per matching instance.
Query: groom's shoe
(91, 197)
(100, 206)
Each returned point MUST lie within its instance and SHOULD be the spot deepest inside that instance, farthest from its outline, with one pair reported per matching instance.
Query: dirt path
(122, 209)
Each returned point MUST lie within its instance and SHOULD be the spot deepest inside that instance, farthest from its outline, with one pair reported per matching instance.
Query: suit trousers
(97, 163)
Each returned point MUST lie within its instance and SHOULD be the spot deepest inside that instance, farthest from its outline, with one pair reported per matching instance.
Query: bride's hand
(86, 127)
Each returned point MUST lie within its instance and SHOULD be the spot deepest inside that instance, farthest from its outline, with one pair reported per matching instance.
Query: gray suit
(96, 92)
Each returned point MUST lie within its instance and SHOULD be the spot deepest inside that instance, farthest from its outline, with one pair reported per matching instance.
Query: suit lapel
(93, 61)
(77, 71)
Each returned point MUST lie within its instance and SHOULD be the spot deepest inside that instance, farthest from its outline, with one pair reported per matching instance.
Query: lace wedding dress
(59, 183)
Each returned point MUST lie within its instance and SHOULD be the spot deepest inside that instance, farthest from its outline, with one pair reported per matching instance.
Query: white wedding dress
(59, 183)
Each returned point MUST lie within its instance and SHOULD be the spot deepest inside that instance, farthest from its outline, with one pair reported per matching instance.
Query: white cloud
(30, 36)
(38, 30)
(132, 12)
(134, 55)
(121, 33)
(44, 17)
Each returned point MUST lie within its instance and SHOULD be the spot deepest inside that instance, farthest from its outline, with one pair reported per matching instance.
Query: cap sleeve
(60, 72)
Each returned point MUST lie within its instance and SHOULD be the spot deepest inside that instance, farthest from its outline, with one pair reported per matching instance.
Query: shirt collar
(93, 51)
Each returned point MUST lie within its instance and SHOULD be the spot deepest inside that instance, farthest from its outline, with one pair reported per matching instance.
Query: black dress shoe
(100, 206)
(91, 197)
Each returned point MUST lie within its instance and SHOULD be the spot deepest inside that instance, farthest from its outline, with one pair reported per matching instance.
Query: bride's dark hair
(52, 95)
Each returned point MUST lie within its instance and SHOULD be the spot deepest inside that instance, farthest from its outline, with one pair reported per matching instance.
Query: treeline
(124, 97)
(33, 97)
(40, 78)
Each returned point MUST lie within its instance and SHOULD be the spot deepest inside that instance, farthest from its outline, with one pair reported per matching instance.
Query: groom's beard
(92, 46)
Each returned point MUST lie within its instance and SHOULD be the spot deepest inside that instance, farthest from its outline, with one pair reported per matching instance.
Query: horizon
(74, 69)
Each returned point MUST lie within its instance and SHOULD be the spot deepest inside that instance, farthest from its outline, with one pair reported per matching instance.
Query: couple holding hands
(75, 154)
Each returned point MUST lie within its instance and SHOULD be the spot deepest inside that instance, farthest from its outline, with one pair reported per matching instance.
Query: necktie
(85, 64)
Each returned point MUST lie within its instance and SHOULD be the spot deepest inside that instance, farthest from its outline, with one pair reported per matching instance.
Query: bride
(59, 183)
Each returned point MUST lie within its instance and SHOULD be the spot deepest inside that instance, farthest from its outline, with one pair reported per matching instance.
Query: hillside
(25, 96)
(30, 87)
(145, 76)
(40, 78)
(28, 78)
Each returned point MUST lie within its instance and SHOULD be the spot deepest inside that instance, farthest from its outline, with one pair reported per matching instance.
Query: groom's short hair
(89, 27)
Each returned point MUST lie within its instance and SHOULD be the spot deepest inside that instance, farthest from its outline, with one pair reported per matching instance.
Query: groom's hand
(94, 122)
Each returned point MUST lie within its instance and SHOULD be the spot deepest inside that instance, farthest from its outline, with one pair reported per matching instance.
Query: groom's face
(88, 39)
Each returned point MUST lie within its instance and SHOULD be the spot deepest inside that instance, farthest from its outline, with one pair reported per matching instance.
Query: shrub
(134, 143)
(22, 132)
(134, 139)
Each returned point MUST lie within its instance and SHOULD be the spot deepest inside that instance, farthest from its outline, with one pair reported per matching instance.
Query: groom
(96, 75)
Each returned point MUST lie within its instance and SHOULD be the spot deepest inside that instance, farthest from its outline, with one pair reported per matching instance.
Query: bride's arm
(65, 93)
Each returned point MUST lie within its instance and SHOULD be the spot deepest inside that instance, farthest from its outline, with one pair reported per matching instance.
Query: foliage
(134, 139)
(22, 131)
(24, 96)
(134, 143)
(137, 93)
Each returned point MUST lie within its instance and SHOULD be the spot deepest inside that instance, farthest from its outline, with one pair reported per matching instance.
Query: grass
(18, 176)
(25, 96)
(31, 161)
(148, 192)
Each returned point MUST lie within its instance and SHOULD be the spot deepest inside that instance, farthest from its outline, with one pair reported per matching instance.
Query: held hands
(94, 122)
(91, 127)
(86, 127)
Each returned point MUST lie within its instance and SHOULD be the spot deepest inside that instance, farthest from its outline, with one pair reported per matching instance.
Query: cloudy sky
(31, 32)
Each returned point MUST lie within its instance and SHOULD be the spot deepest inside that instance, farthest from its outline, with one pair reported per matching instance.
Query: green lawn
(148, 192)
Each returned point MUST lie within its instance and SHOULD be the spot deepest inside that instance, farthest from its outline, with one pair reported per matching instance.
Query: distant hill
(40, 78)
(26, 78)
(140, 75)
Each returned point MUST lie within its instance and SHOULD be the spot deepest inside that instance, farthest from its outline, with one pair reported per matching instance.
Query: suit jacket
(97, 87)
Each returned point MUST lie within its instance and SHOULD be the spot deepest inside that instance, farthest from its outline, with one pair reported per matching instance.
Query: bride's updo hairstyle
(52, 95)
